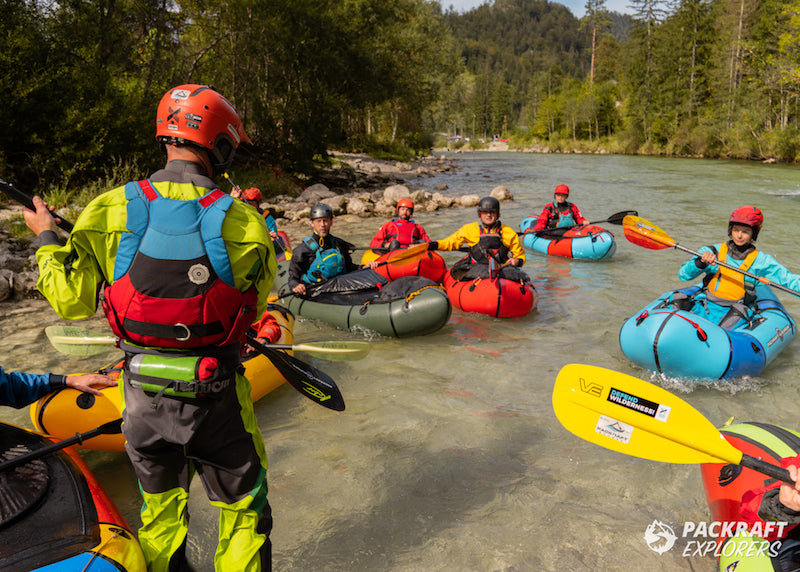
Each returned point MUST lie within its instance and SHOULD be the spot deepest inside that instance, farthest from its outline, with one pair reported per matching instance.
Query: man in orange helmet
(182, 271)
(401, 231)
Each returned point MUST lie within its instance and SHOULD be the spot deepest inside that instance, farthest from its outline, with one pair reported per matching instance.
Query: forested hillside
(717, 78)
(81, 78)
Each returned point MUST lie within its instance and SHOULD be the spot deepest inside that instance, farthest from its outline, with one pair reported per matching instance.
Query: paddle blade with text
(631, 416)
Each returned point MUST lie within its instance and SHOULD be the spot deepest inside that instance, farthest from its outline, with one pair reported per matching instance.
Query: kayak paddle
(616, 218)
(27, 202)
(110, 428)
(644, 233)
(306, 379)
(625, 414)
(402, 256)
(73, 340)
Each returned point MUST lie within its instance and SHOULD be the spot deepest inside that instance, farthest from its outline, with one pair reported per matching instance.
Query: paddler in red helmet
(401, 231)
(560, 212)
(727, 294)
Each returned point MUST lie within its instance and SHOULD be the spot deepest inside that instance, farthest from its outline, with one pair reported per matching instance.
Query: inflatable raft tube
(65, 412)
(365, 300)
(55, 516)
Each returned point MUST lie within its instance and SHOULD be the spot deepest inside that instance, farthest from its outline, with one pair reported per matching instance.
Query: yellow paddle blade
(644, 233)
(336, 350)
(631, 416)
(405, 256)
(77, 341)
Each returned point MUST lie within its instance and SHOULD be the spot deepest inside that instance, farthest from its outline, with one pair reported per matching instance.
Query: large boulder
(315, 193)
(440, 201)
(468, 200)
(359, 207)
(502, 193)
(396, 192)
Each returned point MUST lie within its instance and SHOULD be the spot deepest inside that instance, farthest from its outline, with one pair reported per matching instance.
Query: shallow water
(449, 456)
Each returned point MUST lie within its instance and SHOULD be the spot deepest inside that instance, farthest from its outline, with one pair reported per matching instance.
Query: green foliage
(16, 227)
(82, 78)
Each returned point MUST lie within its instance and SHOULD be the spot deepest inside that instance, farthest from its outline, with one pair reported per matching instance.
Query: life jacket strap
(175, 332)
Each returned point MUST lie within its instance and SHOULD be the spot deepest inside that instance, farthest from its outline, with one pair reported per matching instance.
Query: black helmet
(320, 210)
(488, 204)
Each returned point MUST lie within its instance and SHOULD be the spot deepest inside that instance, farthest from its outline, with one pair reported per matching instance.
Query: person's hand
(372, 265)
(273, 235)
(41, 219)
(708, 258)
(790, 493)
(90, 382)
(513, 262)
(300, 289)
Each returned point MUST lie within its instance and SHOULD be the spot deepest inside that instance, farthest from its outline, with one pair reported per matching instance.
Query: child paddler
(727, 295)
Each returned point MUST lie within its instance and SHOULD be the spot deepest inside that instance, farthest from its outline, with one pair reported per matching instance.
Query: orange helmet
(199, 115)
(408, 203)
(252, 194)
(748, 216)
(561, 190)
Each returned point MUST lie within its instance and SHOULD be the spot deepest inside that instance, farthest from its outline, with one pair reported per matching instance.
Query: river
(449, 455)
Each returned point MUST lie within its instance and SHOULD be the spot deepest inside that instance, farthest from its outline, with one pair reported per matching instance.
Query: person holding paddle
(401, 231)
(726, 292)
(778, 502)
(320, 256)
(487, 239)
(560, 213)
(19, 389)
(182, 270)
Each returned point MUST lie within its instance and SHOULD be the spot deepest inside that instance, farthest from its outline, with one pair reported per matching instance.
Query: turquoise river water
(449, 455)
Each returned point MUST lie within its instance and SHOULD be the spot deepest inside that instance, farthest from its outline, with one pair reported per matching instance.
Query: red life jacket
(173, 284)
(404, 231)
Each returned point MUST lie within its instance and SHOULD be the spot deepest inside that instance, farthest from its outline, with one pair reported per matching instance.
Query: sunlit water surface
(449, 456)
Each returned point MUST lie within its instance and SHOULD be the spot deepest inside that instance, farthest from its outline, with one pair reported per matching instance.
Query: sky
(575, 6)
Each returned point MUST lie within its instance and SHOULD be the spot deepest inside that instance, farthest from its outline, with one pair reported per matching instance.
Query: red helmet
(749, 216)
(252, 194)
(561, 190)
(408, 203)
(199, 115)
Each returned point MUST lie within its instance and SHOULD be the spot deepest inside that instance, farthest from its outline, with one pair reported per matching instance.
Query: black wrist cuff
(57, 381)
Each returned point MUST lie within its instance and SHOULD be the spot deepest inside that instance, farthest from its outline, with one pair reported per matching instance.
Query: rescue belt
(176, 374)
(326, 264)
(173, 283)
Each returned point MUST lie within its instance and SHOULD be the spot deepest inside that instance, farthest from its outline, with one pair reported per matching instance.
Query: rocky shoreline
(357, 185)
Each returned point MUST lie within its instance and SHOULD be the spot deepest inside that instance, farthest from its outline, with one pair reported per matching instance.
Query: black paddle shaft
(110, 428)
(27, 202)
(615, 218)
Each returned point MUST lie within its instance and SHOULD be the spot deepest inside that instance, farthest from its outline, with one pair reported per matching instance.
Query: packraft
(365, 300)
